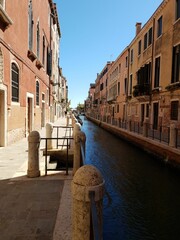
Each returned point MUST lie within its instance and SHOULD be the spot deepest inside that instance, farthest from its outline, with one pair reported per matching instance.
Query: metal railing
(68, 133)
(161, 133)
(46, 153)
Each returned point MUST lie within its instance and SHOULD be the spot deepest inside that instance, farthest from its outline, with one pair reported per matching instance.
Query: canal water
(143, 194)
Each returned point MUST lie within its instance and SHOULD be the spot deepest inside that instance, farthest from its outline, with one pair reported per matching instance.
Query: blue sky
(94, 32)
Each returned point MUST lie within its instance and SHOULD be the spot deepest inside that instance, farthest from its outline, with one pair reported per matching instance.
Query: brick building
(29, 71)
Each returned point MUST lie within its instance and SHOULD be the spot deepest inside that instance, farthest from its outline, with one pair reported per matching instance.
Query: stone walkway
(33, 208)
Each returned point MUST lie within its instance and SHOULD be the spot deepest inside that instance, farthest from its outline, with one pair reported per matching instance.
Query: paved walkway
(33, 208)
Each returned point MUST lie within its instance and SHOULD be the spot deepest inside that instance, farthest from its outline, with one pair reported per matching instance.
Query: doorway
(142, 113)
(155, 115)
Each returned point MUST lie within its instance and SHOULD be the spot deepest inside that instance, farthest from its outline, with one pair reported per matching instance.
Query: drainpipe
(127, 87)
(152, 70)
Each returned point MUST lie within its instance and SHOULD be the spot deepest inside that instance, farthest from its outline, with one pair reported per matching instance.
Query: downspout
(152, 70)
(127, 87)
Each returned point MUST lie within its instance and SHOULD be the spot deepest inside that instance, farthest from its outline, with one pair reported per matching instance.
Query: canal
(143, 194)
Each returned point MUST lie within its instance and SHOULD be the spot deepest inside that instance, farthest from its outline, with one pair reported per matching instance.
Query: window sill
(5, 18)
(173, 86)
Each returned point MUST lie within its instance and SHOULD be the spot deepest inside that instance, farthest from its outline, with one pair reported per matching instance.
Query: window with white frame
(15, 82)
(30, 25)
(38, 39)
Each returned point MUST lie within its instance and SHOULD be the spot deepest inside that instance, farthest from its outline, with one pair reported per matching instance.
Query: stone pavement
(33, 208)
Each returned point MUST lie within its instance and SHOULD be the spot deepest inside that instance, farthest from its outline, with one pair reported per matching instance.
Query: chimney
(138, 27)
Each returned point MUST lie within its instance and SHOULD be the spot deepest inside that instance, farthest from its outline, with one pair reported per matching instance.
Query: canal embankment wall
(159, 150)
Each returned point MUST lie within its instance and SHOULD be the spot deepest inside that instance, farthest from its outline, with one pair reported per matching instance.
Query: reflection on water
(143, 194)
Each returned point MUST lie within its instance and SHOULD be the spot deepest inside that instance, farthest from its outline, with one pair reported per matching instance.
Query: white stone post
(172, 137)
(79, 137)
(87, 179)
(33, 154)
(49, 131)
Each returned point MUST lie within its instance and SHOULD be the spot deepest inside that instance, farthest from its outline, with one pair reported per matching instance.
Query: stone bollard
(145, 128)
(79, 137)
(67, 121)
(87, 179)
(172, 137)
(49, 131)
(33, 154)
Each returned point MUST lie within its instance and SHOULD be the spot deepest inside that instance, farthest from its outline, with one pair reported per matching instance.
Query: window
(176, 64)
(126, 61)
(174, 110)
(15, 82)
(38, 39)
(157, 72)
(150, 36)
(145, 41)
(37, 93)
(147, 110)
(118, 88)
(139, 47)
(43, 52)
(177, 9)
(119, 68)
(130, 85)
(159, 27)
(131, 55)
(125, 85)
(30, 25)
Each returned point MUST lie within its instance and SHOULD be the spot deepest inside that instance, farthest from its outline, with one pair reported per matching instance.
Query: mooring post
(87, 180)
(49, 131)
(33, 154)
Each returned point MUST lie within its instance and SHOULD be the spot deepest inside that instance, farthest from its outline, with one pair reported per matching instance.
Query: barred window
(15, 82)
(174, 110)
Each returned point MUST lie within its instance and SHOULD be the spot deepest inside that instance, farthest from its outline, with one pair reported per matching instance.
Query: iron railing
(160, 133)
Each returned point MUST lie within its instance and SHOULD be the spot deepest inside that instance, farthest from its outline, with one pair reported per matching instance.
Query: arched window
(38, 39)
(30, 25)
(15, 82)
(37, 93)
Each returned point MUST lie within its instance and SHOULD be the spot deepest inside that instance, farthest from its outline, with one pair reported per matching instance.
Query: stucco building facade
(148, 88)
(29, 46)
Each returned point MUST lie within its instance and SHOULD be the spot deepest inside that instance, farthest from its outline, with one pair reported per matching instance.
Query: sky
(94, 32)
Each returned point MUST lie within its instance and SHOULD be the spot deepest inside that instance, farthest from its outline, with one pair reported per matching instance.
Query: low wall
(161, 151)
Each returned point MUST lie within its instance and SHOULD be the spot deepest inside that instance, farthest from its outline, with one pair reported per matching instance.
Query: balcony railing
(141, 90)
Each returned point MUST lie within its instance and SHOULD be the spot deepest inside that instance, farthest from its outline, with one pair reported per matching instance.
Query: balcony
(141, 90)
